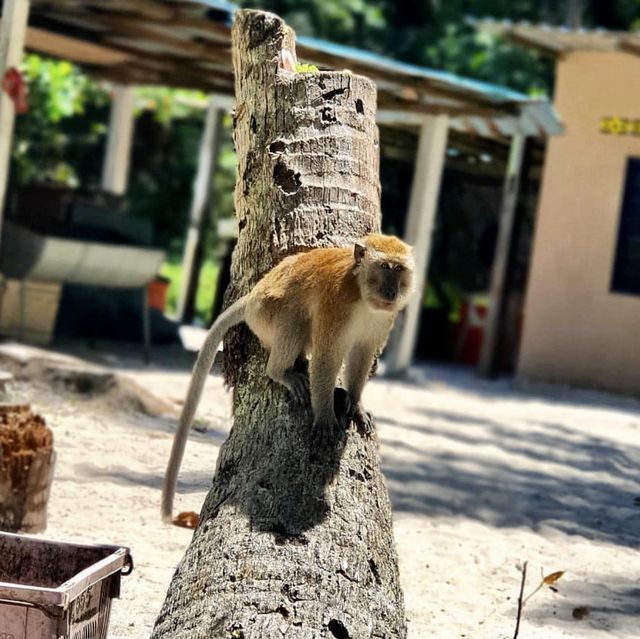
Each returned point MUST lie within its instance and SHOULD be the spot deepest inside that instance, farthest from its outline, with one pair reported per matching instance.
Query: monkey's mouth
(383, 305)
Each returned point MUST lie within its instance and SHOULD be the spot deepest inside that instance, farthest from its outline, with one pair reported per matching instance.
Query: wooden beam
(389, 101)
(15, 16)
(148, 70)
(139, 29)
(423, 206)
(146, 8)
(487, 365)
(115, 170)
(73, 49)
(198, 216)
(209, 28)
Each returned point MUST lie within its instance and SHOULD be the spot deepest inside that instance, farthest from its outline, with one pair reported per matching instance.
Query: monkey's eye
(398, 268)
(385, 265)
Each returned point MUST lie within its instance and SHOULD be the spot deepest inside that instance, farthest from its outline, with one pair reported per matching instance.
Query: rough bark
(26, 469)
(293, 541)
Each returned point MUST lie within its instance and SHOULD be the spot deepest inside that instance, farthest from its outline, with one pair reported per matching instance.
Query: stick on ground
(524, 579)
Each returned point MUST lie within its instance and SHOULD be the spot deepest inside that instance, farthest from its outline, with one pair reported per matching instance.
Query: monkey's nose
(390, 294)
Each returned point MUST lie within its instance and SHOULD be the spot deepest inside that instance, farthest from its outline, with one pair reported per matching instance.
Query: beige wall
(576, 331)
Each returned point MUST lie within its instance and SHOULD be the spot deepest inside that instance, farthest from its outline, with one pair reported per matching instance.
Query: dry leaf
(581, 612)
(187, 520)
(552, 578)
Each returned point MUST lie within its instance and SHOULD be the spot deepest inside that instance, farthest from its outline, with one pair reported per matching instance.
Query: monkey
(331, 305)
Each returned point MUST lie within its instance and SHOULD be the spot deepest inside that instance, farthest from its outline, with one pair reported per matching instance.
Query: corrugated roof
(490, 92)
(555, 40)
(184, 43)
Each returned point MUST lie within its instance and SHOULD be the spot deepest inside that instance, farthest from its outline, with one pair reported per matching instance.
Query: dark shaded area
(281, 481)
(44, 564)
(109, 314)
(626, 267)
(581, 484)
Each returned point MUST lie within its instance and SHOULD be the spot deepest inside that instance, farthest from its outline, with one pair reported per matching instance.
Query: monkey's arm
(359, 363)
(326, 359)
(232, 316)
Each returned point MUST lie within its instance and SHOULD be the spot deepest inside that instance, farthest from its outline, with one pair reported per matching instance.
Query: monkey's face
(388, 284)
(385, 266)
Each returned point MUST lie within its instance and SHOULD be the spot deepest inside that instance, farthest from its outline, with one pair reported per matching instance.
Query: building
(187, 44)
(582, 309)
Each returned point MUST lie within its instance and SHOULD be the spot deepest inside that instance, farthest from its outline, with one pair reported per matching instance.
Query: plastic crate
(56, 590)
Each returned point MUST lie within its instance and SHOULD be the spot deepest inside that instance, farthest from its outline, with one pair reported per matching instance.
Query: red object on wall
(14, 86)
(470, 334)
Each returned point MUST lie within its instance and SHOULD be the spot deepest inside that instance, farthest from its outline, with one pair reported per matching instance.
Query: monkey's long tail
(232, 316)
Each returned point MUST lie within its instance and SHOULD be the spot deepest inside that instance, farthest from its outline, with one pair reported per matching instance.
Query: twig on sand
(524, 578)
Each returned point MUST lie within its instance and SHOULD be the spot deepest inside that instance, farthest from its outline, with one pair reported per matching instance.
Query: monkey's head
(384, 266)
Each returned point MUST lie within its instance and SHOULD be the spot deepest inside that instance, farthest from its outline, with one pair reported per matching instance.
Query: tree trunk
(26, 469)
(293, 540)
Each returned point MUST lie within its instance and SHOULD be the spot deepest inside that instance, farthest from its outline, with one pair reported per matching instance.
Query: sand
(482, 476)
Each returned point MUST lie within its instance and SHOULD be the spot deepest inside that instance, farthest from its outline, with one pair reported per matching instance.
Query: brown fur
(336, 305)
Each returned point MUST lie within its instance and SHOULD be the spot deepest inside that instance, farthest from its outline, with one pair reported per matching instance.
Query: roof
(187, 43)
(556, 41)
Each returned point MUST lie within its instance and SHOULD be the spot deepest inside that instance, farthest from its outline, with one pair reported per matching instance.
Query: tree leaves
(552, 578)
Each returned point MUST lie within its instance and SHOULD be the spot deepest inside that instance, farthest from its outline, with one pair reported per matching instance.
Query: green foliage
(169, 104)
(434, 32)
(57, 138)
(484, 56)
(302, 67)
(208, 282)
(62, 139)
(357, 22)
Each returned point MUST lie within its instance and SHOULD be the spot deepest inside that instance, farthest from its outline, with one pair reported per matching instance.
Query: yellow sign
(620, 126)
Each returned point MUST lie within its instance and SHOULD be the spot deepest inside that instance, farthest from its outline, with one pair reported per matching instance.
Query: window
(626, 267)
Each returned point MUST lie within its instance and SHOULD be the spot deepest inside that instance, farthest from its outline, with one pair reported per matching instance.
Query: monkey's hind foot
(325, 434)
(363, 421)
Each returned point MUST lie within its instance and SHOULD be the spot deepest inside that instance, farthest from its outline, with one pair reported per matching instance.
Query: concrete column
(15, 16)
(209, 146)
(488, 356)
(117, 159)
(423, 206)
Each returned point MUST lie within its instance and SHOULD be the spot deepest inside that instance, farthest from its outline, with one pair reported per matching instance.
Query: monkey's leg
(286, 349)
(324, 368)
(356, 374)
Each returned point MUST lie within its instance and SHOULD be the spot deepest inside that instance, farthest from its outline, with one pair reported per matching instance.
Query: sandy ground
(482, 477)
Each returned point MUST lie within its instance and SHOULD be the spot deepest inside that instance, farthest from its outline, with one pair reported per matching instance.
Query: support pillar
(115, 170)
(13, 27)
(488, 357)
(192, 256)
(423, 206)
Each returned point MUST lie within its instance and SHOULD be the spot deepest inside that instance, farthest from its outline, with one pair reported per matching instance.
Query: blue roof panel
(492, 91)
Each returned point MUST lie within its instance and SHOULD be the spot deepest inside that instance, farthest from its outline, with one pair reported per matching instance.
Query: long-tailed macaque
(333, 305)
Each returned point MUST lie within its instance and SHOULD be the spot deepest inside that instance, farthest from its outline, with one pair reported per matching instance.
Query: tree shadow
(607, 602)
(460, 378)
(279, 474)
(534, 474)
(190, 481)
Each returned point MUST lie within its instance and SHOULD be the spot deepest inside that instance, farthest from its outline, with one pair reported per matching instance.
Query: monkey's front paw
(342, 407)
(363, 421)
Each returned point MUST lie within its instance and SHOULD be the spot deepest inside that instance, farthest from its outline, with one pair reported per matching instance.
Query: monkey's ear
(359, 250)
